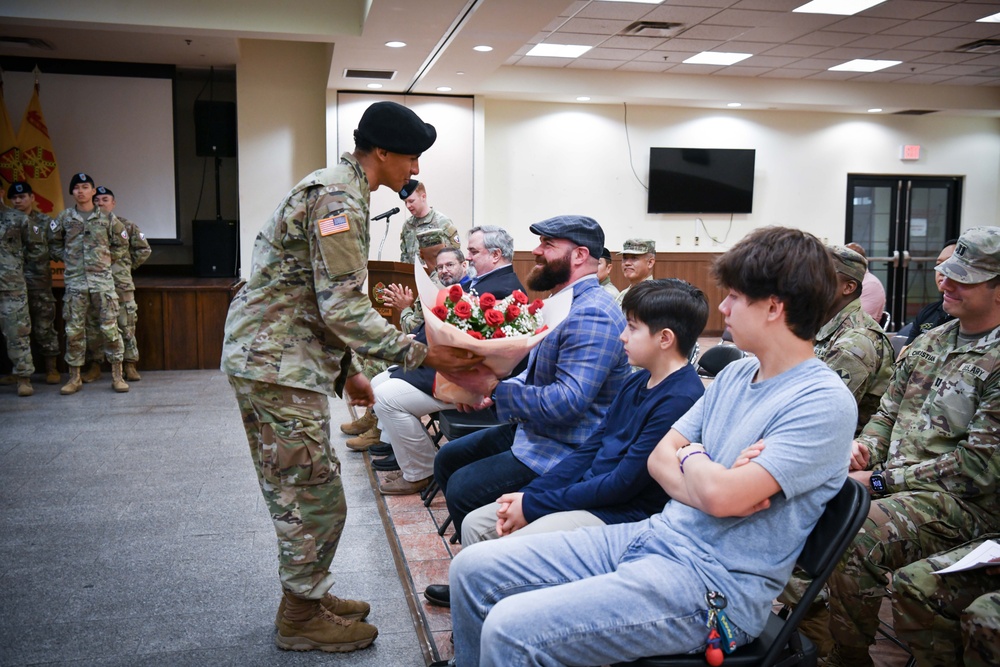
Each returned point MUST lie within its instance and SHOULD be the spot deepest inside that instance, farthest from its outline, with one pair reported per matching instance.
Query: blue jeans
(476, 469)
(591, 596)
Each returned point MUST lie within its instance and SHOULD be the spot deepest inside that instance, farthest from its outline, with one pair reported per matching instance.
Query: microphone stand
(384, 236)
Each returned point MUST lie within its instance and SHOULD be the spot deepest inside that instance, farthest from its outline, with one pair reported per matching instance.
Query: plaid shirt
(571, 379)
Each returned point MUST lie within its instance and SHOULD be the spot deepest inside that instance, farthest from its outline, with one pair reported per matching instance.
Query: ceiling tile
(963, 11)
(574, 38)
(922, 28)
(865, 25)
(719, 33)
(903, 9)
(795, 50)
(691, 45)
(590, 63)
(541, 61)
(621, 55)
(622, 11)
(623, 42)
(974, 80)
(595, 26)
(846, 53)
(676, 14)
(881, 41)
(824, 38)
(638, 66)
(738, 70)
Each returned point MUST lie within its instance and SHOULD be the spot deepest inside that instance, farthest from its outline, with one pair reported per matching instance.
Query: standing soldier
(38, 277)
(88, 241)
(289, 343)
(128, 311)
(423, 217)
(15, 322)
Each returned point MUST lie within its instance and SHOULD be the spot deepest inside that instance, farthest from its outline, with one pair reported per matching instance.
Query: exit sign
(910, 152)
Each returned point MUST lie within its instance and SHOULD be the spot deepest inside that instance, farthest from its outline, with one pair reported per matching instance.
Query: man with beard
(553, 406)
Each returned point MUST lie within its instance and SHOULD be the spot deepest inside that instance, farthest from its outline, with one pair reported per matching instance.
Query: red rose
(520, 296)
(455, 293)
(476, 335)
(494, 318)
(535, 306)
(512, 312)
(441, 312)
(487, 301)
(499, 332)
(463, 310)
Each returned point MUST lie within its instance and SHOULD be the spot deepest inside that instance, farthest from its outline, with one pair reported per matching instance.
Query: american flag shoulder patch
(333, 225)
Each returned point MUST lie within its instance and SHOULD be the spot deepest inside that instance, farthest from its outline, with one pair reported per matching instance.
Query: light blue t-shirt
(806, 417)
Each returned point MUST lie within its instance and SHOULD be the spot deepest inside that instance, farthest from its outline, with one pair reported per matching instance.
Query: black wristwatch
(877, 484)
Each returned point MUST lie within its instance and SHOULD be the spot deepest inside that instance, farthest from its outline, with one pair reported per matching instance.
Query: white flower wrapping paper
(500, 356)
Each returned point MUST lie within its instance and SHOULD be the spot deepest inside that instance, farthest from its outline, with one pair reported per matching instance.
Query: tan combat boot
(131, 373)
(117, 383)
(24, 387)
(369, 438)
(352, 610)
(75, 384)
(51, 371)
(361, 424)
(92, 372)
(306, 625)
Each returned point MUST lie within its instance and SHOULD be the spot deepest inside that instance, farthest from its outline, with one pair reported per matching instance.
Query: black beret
(79, 178)
(395, 128)
(19, 188)
(101, 190)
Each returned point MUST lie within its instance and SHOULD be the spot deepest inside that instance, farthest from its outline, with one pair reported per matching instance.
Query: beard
(543, 277)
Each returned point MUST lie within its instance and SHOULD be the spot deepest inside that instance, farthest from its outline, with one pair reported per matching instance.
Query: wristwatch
(877, 483)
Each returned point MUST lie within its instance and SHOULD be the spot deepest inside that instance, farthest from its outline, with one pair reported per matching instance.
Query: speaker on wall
(215, 129)
(215, 248)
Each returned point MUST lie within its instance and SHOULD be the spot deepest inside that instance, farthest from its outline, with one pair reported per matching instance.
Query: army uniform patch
(333, 225)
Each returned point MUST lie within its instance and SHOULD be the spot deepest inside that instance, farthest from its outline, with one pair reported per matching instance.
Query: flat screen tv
(700, 180)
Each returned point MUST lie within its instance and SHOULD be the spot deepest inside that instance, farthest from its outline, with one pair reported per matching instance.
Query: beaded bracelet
(687, 456)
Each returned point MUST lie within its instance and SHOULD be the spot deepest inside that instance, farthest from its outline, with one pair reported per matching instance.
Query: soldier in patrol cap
(931, 454)
(290, 339)
(638, 258)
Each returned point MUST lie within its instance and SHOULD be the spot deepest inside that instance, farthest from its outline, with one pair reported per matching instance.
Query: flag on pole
(38, 159)
(10, 155)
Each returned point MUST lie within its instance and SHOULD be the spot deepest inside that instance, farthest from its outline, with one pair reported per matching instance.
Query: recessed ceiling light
(840, 7)
(992, 18)
(482, 48)
(876, 110)
(395, 45)
(374, 85)
(444, 89)
(733, 105)
(717, 58)
(583, 98)
(864, 65)
(558, 50)
(460, 73)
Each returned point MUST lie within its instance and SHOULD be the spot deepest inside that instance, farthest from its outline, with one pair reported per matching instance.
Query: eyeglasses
(450, 266)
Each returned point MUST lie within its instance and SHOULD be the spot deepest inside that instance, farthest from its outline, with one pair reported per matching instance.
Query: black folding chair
(718, 357)
(780, 644)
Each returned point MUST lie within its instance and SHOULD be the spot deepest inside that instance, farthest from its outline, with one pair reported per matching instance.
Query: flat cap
(976, 258)
(395, 128)
(849, 262)
(638, 247)
(101, 190)
(579, 229)
(79, 178)
(19, 188)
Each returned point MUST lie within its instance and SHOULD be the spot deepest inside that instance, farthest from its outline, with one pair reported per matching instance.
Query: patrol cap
(848, 262)
(101, 190)
(579, 229)
(79, 178)
(428, 238)
(606, 254)
(19, 188)
(638, 247)
(395, 128)
(976, 258)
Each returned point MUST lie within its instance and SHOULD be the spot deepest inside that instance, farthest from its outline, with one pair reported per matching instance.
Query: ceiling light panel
(716, 58)
(838, 7)
(863, 65)
(558, 50)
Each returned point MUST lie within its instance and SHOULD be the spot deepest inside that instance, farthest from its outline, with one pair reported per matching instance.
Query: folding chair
(780, 644)
(718, 357)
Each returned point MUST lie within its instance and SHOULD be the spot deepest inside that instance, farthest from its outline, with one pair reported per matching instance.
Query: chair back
(718, 357)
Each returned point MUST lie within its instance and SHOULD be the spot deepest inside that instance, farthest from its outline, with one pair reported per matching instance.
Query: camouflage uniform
(15, 322)
(38, 278)
(128, 312)
(89, 243)
(621, 295)
(948, 620)
(288, 341)
(937, 432)
(854, 345)
(609, 287)
(409, 248)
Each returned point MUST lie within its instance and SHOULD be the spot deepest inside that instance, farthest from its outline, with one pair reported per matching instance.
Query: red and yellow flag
(10, 155)
(38, 160)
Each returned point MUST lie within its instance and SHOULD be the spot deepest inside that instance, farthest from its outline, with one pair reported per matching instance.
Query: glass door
(902, 222)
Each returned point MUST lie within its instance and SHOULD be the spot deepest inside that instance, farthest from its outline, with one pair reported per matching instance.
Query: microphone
(408, 189)
(391, 211)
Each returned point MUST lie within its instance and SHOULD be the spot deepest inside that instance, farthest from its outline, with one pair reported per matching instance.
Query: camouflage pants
(289, 435)
(42, 306)
(75, 307)
(372, 367)
(128, 313)
(900, 529)
(15, 324)
(951, 619)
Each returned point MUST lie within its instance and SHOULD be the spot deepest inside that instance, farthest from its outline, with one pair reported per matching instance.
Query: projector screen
(118, 129)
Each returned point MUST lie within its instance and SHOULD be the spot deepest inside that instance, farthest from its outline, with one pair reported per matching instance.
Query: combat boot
(352, 610)
(361, 424)
(51, 371)
(369, 438)
(75, 384)
(306, 625)
(24, 387)
(117, 383)
(131, 373)
(92, 373)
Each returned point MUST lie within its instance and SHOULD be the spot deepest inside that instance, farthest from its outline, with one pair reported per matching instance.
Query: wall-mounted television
(700, 180)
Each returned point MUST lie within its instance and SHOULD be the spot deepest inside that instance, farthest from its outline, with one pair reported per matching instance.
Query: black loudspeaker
(215, 248)
(215, 129)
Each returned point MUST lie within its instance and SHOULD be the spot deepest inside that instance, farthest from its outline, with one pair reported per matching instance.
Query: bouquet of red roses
(485, 318)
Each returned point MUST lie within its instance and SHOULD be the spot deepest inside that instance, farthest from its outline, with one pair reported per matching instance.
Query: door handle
(906, 258)
(895, 259)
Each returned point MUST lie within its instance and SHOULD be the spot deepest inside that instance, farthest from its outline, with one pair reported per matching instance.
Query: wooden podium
(381, 274)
